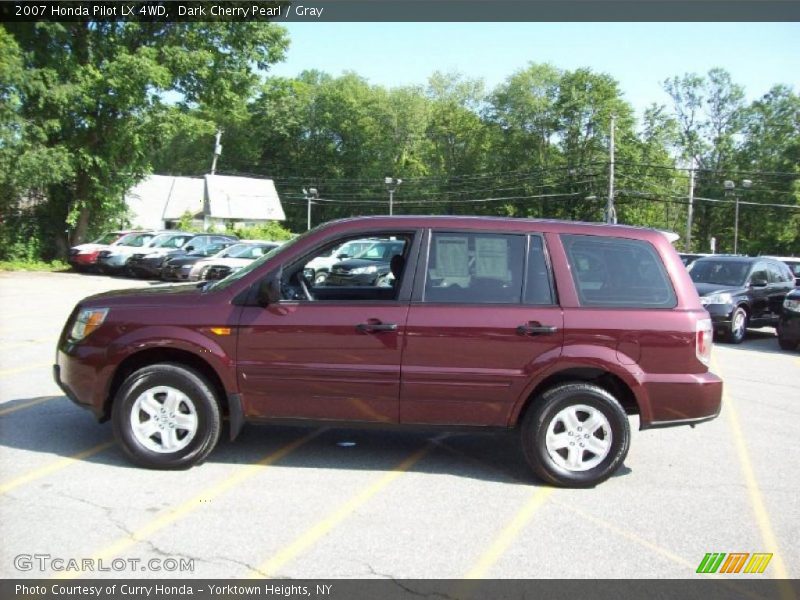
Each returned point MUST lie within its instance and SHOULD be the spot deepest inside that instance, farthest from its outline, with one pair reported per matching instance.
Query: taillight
(704, 340)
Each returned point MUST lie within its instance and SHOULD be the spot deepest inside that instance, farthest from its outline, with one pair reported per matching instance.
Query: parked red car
(560, 330)
(84, 256)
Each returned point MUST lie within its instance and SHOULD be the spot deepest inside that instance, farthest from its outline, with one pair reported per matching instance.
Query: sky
(638, 55)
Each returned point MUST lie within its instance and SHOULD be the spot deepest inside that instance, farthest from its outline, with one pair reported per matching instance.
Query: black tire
(196, 390)
(543, 412)
(787, 344)
(736, 335)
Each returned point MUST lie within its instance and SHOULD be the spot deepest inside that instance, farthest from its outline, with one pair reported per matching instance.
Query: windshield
(107, 238)
(239, 251)
(168, 240)
(719, 272)
(135, 240)
(236, 275)
(212, 250)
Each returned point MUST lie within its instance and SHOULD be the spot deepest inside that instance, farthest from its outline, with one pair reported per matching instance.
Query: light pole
(309, 194)
(391, 185)
(730, 188)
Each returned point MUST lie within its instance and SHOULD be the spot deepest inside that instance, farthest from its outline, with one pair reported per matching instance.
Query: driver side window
(366, 268)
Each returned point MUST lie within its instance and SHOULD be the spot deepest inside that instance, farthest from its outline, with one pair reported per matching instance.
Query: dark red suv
(560, 330)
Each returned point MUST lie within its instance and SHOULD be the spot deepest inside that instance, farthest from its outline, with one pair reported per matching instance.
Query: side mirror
(269, 288)
(189, 248)
(342, 256)
(759, 283)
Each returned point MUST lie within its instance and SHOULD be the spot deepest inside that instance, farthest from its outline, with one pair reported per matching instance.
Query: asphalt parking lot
(333, 503)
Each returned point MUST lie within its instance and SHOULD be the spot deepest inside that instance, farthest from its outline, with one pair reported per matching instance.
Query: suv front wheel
(166, 416)
(575, 435)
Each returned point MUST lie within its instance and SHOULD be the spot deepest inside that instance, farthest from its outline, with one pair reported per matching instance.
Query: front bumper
(789, 326)
(721, 315)
(82, 374)
(146, 267)
(113, 263)
(175, 272)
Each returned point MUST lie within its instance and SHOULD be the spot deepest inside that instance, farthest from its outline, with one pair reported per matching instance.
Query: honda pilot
(556, 330)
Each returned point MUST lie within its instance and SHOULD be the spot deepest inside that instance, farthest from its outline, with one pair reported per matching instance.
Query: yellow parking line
(509, 534)
(241, 474)
(52, 467)
(321, 529)
(17, 407)
(756, 498)
(15, 370)
(629, 535)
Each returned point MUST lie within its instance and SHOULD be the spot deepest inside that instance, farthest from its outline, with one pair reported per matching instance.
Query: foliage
(95, 94)
(84, 112)
(33, 265)
(271, 231)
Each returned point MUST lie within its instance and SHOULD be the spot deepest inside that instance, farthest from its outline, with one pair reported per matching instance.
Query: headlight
(88, 320)
(791, 305)
(364, 270)
(720, 298)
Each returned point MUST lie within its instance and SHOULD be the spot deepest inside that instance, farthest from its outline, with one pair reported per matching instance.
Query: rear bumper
(681, 400)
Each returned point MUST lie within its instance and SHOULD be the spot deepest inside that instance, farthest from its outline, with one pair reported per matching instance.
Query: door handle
(535, 328)
(373, 327)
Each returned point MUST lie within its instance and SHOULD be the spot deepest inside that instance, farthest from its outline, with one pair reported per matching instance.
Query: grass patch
(33, 265)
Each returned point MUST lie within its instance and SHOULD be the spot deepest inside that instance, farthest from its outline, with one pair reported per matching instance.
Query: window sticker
(452, 257)
(491, 257)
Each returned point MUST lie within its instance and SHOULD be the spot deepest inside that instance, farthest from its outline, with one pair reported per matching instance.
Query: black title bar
(402, 10)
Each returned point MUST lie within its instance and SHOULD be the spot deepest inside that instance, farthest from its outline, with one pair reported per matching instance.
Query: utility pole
(309, 194)
(691, 208)
(217, 152)
(611, 212)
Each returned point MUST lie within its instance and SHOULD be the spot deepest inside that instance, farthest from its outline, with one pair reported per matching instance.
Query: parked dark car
(688, 259)
(741, 292)
(177, 267)
(148, 264)
(491, 323)
(793, 262)
(366, 268)
(789, 324)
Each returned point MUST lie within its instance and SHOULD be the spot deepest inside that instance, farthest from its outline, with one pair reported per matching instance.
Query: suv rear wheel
(576, 435)
(166, 416)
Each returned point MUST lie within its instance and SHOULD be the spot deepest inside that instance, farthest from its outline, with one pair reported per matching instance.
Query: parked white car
(112, 260)
(318, 269)
(231, 259)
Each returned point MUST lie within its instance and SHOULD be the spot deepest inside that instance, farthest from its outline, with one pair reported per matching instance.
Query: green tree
(99, 91)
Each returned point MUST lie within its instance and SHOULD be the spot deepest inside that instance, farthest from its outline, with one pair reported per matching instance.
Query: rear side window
(619, 272)
(475, 268)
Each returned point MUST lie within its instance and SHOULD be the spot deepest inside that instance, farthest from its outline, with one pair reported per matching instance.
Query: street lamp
(730, 188)
(391, 185)
(309, 194)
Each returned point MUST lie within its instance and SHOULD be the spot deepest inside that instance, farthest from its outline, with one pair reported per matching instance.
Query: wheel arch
(602, 378)
(151, 356)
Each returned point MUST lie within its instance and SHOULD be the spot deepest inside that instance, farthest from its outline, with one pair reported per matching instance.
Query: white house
(160, 201)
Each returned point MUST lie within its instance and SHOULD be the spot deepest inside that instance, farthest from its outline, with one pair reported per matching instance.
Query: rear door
(483, 320)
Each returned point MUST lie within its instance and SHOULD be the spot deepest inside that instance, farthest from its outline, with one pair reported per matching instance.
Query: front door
(330, 352)
(485, 321)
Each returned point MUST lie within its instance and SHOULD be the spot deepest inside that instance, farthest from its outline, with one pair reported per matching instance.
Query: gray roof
(242, 198)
